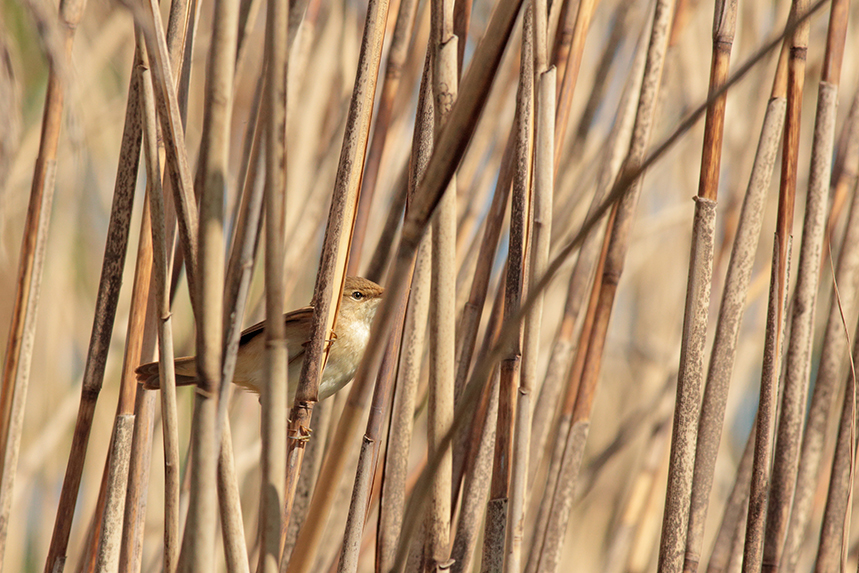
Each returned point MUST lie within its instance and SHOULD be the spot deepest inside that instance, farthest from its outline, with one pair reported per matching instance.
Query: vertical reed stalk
(275, 400)
(478, 466)
(829, 374)
(564, 348)
(726, 547)
(397, 53)
(690, 379)
(752, 553)
(414, 335)
(329, 285)
(607, 285)
(835, 531)
(170, 116)
(369, 454)
(442, 310)
(393, 493)
(730, 317)
(198, 543)
(167, 376)
(798, 360)
(494, 543)
(111, 520)
(538, 252)
(131, 550)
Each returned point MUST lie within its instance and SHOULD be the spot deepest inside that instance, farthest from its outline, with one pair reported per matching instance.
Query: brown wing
(297, 323)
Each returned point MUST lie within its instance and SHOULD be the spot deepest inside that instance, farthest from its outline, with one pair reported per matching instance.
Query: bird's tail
(186, 373)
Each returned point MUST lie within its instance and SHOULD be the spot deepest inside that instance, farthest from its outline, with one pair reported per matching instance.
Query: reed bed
(615, 336)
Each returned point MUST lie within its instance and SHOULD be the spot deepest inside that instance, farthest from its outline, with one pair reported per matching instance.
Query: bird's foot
(301, 435)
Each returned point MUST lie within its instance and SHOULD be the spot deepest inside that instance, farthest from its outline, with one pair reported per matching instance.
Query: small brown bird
(361, 298)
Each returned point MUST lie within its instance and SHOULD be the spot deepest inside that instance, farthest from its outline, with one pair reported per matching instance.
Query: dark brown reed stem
(330, 277)
(690, 379)
(397, 53)
(728, 326)
(798, 360)
(831, 369)
(752, 553)
(275, 399)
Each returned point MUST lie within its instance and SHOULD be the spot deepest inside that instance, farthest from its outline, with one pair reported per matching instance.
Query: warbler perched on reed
(361, 298)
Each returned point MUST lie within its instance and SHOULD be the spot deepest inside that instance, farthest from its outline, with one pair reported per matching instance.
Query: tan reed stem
(16, 366)
(131, 550)
(690, 379)
(607, 286)
(619, 190)
(831, 368)
(274, 401)
(161, 266)
(728, 324)
(833, 548)
(394, 493)
(199, 540)
(397, 53)
(170, 116)
(442, 308)
(111, 534)
(538, 254)
(564, 347)
(478, 462)
(329, 280)
(753, 550)
(395, 474)
(798, 360)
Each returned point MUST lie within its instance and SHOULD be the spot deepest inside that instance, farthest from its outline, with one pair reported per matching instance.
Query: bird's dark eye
(357, 295)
